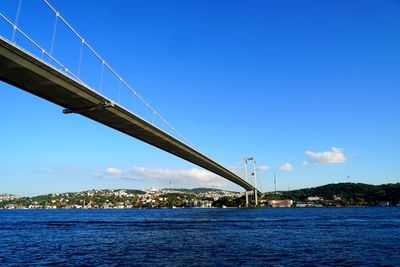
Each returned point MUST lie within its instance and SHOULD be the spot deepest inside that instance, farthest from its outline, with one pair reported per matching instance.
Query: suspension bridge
(37, 70)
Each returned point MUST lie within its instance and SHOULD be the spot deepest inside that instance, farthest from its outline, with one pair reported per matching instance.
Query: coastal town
(119, 199)
(128, 199)
(333, 195)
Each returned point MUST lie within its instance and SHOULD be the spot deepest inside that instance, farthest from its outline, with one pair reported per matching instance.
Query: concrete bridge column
(255, 197)
(249, 194)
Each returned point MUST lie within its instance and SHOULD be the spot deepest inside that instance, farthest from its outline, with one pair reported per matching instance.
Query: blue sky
(310, 88)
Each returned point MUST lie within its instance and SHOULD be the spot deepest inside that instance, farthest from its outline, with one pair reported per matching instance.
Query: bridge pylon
(250, 162)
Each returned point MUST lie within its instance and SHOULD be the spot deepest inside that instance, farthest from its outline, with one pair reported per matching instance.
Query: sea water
(201, 237)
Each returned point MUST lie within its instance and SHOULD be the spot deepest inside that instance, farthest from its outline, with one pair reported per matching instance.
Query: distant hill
(350, 193)
(128, 191)
(196, 190)
(4, 197)
(134, 191)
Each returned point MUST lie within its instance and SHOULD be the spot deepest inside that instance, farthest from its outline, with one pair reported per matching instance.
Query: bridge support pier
(250, 193)
(253, 173)
(255, 197)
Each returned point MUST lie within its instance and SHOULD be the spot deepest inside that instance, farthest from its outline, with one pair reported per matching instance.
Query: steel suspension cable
(53, 38)
(101, 76)
(80, 59)
(16, 21)
(63, 67)
(118, 76)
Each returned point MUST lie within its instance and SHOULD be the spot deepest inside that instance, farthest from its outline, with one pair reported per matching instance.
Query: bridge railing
(39, 28)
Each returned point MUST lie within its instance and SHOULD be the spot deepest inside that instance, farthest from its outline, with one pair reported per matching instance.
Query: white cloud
(334, 156)
(287, 167)
(263, 168)
(97, 174)
(194, 176)
(114, 171)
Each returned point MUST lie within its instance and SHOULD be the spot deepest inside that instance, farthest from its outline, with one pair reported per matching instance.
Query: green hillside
(350, 193)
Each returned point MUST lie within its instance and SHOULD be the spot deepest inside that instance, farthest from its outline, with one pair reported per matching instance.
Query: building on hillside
(200, 204)
(314, 198)
(284, 203)
(383, 204)
(309, 204)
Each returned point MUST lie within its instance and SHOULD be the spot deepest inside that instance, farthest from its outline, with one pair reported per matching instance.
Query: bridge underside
(27, 72)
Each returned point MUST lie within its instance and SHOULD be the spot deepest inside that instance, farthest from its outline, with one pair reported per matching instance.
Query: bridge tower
(250, 164)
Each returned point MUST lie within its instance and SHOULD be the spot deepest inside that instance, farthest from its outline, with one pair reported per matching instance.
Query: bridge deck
(31, 74)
